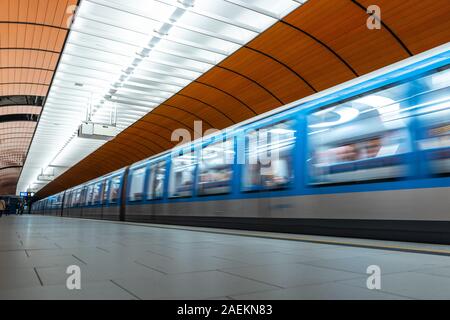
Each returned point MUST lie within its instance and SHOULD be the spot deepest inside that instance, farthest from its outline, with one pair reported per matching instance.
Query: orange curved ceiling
(321, 44)
(32, 35)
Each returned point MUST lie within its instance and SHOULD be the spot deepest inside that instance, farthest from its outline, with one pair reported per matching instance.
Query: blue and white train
(369, 158)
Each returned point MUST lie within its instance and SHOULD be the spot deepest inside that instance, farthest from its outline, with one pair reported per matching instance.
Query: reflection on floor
(122, 261)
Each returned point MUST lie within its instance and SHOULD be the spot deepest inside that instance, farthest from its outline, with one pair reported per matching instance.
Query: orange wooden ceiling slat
(47, 60)
(150, 133)
(182, 115)
(22, 89)
(247, 91)
(149, 147)
(45, 34)
(212, 115)
(342, 25)
(15, 145)
(32, 11)
(29, 36)
(3, 36)
(149, 139)
(19, 109)
(40, 59)
(9, 172)
(61, 13)
(168, 122)
(10, 38)
(20, 58)
(147, 123)
(107, 157)
(157, 130)
(23, 10)
(11, 57)
(53, 61)
(37, 37)
(4, 4)
(59, 43)
(420, 24)
(47, 76)
(7, 176)
(51, 11)
(284, 84)
(133, 149)
(20, 36)
(15, 35)
(16, 125)
(232, 108)
(53, 38)
(163, 123)
(13, 10)
(305, 55)
(7, 181)
(41, 11)
(33, 76)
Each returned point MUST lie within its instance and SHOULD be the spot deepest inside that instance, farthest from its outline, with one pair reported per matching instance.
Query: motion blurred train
(369, 158)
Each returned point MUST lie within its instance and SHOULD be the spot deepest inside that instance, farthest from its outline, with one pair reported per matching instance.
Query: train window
(434, 118)
(83, 196)
(60, 200)
(71, 199)
(115, 189)
(360, 140)
(79, 196)
(216, 168)
(89, 193)
(269, 164)
(68, 199)
(436, 141)
(105, 191)
(182, 175)
(75, 198)
(156, 181)
(56, 201)
(136, 189)
(97, 193)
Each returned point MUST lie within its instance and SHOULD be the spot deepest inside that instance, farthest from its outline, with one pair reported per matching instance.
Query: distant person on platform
(2, 206)
(21, 207)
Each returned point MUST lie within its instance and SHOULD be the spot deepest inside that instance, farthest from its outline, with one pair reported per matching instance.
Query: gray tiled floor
(126, 261)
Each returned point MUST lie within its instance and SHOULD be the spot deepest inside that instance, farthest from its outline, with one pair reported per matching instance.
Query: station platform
(141, 261)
